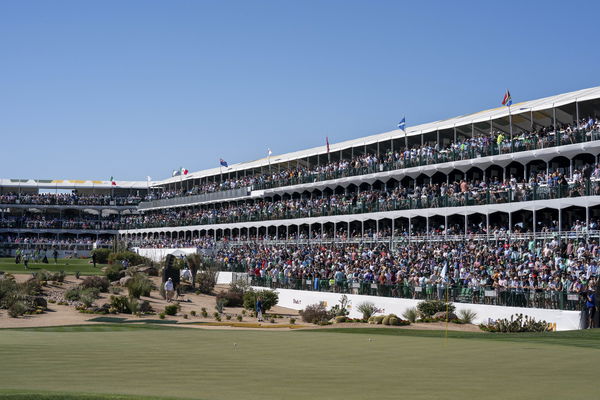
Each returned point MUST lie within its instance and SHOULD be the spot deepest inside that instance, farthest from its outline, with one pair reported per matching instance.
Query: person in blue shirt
(259, 307)
(590, 304)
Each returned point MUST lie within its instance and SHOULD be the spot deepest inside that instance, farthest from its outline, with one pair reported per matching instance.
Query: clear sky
(90, 89)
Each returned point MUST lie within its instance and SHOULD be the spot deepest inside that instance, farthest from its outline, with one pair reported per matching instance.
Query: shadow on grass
(589, 338)
(44, 395)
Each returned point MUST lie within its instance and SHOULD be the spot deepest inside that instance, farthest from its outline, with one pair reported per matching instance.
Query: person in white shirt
(169, 290)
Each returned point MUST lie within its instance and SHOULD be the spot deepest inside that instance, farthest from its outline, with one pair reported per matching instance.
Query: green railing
(481, 197)
(463, 152)
(511, 297)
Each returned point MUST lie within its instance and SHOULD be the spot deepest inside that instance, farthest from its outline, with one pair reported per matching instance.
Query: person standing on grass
(26, 260)
(55, 255)
(590, 304)
(94, 259)
(259, 307)
(169, 290)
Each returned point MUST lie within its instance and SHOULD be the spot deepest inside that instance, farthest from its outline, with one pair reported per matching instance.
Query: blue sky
(135, 88)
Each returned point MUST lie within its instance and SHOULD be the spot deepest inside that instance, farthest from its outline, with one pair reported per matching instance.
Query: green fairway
(166, 362)
(70, 266)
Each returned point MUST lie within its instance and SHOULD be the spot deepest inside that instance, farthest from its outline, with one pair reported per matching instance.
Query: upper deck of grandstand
(547, 123)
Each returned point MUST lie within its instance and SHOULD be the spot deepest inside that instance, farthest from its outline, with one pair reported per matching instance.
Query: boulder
(123, 281)
(39, 301)
(442, 315)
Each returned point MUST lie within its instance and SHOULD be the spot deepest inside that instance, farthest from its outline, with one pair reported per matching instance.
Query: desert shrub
(239, 318)
(17, 309)
(316, 313)
(428, 308)
(516, 323)
(342, 308)
(139, 285)
(231, 298)
(292, 321)
(88, 296)
(58, 276)
(77, 274)
(218, 317)
(386, 319)
(220, 305)
(120, 304)
(133, 258)
(101, 255)
(171, 309)
(411, 314)
(340, 318)
(85, 295)
(133, 305)
(146, 307)
(367, 309)
(161, 315)
(206, 281)
(193, 313)
(272, 320)
(185, 316)
(269, 299)
(99, 282)
(115, 290)
(72, 294)
(114, 272)
(466, 316)
(393, 321)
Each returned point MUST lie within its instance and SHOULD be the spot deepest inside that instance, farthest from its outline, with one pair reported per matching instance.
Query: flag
(269, 151)
(327, 143)
(184, 171)
(402, 124)
(223, 162)
(507, 100)
(112, 181)
(176, 172)
(148, 178)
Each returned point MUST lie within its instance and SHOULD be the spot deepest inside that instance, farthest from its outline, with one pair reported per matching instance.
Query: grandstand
(522, 182)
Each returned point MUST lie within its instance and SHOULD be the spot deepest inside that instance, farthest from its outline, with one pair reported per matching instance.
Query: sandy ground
(67, 315)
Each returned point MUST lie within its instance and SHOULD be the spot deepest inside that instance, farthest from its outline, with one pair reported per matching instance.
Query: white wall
(158, 255)
(299, 299)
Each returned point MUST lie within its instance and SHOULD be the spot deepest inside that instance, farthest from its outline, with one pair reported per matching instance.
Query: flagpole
(511, 128)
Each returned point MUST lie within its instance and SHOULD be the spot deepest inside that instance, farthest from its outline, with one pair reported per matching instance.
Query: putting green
(70, 266)
(237, 364)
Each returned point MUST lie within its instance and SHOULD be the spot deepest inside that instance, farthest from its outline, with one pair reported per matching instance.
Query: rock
(442, 315)
(123, 281)
(39, 301)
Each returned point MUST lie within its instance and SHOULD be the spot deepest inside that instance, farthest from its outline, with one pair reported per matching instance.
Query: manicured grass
(37, 395)
(70, 266)
(320, 364)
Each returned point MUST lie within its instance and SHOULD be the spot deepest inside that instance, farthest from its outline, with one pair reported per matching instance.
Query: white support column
(534, 222)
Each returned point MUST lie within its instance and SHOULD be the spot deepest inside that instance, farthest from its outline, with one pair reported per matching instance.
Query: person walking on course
(169, 290)
(259, 307)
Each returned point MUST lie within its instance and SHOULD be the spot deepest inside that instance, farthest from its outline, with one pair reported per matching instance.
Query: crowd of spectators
(569, 266)
(430, 153)
(68, 199)
(540, 186)
(43, 221)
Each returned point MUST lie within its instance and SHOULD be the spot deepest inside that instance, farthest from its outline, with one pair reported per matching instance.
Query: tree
(195, 263)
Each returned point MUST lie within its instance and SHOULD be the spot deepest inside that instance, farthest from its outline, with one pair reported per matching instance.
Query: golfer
(169, 290)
